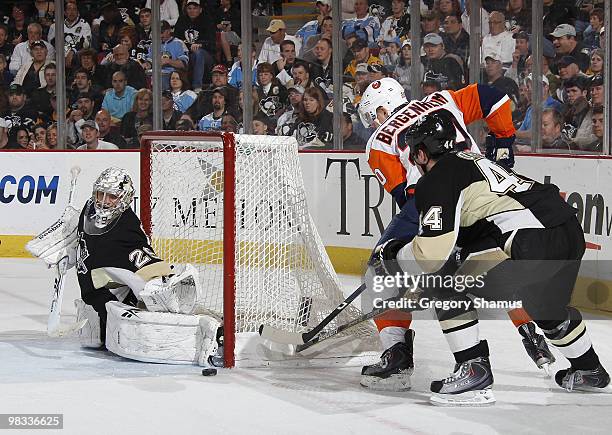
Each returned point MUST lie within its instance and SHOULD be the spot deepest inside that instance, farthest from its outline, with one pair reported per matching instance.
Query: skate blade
(546, 368)
(585, 389)
(469, 398)
(397, 382)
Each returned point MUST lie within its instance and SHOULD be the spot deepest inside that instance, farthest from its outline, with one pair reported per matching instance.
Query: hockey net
(235, 207)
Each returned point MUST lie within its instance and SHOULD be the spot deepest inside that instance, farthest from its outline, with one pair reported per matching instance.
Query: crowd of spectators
(108, 57)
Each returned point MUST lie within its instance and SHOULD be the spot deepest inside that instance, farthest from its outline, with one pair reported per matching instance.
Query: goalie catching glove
(57, 241)
(174, 294)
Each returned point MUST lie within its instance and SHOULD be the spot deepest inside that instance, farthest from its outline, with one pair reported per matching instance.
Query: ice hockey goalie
(135, 304)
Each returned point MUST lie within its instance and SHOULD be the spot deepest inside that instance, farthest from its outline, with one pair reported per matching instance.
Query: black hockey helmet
(435, 133)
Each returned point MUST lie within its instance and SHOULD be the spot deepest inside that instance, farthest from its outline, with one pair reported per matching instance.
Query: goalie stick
(53, 322)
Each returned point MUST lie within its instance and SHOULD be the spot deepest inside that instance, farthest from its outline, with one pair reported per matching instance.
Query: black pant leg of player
(541, 274)
(548, 304)
(98, 299)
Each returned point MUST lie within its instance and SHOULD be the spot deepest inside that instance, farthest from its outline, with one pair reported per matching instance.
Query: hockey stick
(286, 337)
(351, 324)
(341, 328)
(53, 322)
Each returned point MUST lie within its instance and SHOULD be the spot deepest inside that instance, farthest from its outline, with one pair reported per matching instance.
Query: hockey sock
(519, 317)
(392, 326)
(460, 328)
(570, 336)
(479, 350)
(392, 335)
(394, 318)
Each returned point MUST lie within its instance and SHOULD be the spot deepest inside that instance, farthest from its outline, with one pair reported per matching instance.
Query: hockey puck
(209, 372)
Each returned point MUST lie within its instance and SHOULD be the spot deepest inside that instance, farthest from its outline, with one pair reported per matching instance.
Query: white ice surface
(99, 393)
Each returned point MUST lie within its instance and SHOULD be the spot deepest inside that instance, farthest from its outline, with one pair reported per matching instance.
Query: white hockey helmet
(112, 194)
(387, 93)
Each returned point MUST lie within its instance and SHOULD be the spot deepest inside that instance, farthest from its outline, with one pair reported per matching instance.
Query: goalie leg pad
(89, 334)
(160, 337)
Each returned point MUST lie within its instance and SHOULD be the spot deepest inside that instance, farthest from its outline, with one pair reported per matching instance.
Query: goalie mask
(113, 192)
(386, 93)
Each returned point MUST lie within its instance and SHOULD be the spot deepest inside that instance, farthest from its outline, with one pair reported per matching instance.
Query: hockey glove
(499, 150)
(384, 257)
(57, 241)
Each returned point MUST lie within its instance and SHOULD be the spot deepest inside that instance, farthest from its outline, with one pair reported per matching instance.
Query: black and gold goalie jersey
(117, 257)
(465, 199)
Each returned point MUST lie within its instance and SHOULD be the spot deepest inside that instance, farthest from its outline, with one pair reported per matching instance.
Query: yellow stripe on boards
(14, 246)
(591, 294)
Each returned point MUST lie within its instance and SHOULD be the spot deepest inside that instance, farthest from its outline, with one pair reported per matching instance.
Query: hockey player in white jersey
(385, 107)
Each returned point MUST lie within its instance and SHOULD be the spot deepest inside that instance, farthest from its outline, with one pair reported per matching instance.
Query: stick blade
(66, 330)
(279, 336)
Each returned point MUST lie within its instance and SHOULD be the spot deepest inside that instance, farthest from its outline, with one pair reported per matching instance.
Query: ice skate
(536, 347)
(393, 371)
(469, 385)
(594, 381)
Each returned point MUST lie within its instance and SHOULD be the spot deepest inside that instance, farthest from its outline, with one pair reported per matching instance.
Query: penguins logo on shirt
(348, 106)
(15, 121)
(436, 77)
(325, 84)
(569, 130)
(82, 255)
(191, 36)
(306, 132)
(285, 129)
(124, 15)
(377, 11)
(270, 105)
(72, 41)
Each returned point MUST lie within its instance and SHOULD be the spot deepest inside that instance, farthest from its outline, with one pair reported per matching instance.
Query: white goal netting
(283, 276)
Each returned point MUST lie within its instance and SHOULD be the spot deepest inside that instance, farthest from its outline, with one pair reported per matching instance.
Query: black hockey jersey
(466, 198)
(122, 256)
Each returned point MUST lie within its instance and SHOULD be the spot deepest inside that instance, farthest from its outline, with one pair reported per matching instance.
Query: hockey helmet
(435, 133)
(387, 93)
(112, 194)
